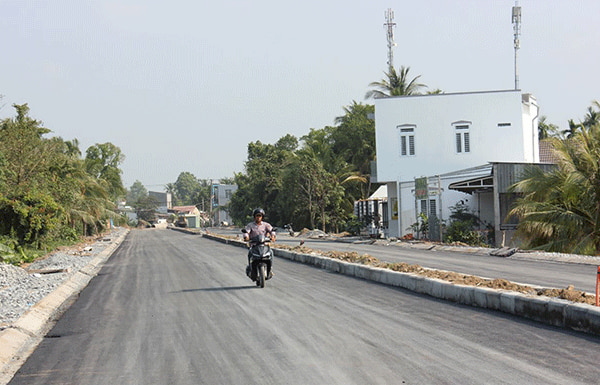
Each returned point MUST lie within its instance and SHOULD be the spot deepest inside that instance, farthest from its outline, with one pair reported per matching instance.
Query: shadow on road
(227, 288)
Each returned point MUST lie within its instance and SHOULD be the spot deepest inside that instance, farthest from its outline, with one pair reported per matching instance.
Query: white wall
(530, 111)
(435, 141)
(484, 207)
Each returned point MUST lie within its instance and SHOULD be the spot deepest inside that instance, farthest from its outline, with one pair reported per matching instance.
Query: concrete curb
(551, 311)
(185, 230)
(20, 340)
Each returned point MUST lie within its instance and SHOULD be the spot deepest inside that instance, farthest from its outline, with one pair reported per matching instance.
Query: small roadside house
(189, 214)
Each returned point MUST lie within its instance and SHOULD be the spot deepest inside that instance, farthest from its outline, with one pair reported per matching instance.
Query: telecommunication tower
(389, 23)
(516, 20)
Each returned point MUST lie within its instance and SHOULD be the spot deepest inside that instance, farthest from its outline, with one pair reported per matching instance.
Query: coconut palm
(560, 209)
(572, 130)
(545, 129)
(592, 117)
(395, 84)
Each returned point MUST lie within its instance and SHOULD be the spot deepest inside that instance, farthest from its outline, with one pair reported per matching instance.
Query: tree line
(48, 192)
(312, 181)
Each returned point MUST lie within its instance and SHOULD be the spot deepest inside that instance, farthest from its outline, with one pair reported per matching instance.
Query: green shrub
(462, 231)
(28, 217)
(462, 226)
(354, 225)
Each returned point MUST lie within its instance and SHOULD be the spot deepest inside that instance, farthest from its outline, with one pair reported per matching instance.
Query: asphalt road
(515, 269)
(173, 308)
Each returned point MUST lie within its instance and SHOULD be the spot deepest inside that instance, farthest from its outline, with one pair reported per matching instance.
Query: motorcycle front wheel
(262, 275)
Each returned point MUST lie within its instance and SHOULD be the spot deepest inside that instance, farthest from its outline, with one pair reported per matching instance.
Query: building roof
(470, 186)
(184, 209)
(380, 193)
(444, 94)
(547, 152)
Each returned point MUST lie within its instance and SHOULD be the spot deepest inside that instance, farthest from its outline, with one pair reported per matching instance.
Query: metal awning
(470, 186)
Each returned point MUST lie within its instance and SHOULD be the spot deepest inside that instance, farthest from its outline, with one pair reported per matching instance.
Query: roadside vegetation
(560, 210)
(49, 194)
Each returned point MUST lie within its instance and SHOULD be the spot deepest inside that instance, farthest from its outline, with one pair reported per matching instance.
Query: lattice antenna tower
(389, 24)
(516, 20)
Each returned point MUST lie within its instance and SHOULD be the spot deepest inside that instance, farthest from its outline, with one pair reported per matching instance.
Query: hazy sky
(185, 85)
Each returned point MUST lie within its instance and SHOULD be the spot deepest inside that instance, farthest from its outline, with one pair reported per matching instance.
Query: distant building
(221, 196)
(128, 211)
(186, 210)
(163, 199)
(189, 214)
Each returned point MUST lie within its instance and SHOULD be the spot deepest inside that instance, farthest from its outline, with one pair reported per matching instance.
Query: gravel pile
(22, 288)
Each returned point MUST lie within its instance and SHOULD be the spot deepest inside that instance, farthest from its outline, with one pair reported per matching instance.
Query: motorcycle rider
(259, 227)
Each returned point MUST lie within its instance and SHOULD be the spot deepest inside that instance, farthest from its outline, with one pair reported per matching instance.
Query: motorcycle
(261, 259)
(290, 230)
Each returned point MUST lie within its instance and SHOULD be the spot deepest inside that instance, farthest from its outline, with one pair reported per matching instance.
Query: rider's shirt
(254, 229)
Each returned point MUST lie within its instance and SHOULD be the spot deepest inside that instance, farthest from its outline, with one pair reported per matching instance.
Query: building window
(432, 208)
(430, 211)
(462, 136)
(406, 134)
(228, 194)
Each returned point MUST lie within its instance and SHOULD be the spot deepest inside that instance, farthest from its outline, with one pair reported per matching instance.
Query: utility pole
(389, 24)
(212, 202)
(516, 20)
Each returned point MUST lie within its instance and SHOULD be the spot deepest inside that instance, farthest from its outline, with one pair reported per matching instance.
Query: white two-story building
(434, 151)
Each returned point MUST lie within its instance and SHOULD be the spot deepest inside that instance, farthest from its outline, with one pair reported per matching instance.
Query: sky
(186, 85)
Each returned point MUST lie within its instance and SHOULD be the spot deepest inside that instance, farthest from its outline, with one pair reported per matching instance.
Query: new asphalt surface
(173, 308)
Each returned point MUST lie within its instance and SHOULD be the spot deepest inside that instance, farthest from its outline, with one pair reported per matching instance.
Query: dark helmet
(258, 211)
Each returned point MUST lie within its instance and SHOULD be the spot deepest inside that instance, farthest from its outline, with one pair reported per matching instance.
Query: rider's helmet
(258, 211)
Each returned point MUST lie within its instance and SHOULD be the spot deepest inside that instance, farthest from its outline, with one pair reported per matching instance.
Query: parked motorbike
(261, 259)
(290, 230)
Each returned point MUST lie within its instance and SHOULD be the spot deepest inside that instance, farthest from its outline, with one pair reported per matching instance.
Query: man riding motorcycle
(258, 227)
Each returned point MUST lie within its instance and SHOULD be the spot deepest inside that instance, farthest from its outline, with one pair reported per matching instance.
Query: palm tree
(560, 209)
(546, 130)
(572, 130)
(395, 85)
(592, 117)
